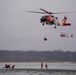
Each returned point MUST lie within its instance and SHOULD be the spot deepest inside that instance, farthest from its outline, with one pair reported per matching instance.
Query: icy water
(34, 68)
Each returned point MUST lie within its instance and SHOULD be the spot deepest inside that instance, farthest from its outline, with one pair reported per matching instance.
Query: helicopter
(50, 19)
(66, 35)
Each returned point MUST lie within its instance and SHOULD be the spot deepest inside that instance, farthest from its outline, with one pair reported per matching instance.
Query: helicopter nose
(42, 20)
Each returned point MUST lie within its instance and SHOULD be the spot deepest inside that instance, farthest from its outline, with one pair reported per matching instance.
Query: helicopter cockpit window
(44, 16)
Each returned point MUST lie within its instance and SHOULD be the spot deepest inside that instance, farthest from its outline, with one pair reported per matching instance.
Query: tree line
(35, 56)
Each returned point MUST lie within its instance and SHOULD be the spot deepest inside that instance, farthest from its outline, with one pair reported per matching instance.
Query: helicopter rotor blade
(55, 13)
(36, 12)
(65, 16)
(46, 12)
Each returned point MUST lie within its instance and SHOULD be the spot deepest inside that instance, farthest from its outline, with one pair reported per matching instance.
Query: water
(34, 68)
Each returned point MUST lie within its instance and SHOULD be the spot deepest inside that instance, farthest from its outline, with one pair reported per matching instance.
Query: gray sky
(20, 30)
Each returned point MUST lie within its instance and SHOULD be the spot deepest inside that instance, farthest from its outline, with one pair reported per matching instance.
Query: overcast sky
(20, 30)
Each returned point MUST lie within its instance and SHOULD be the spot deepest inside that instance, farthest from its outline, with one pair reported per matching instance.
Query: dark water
(36, 72)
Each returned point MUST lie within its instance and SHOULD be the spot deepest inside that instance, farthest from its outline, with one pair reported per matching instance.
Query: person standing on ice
(41, 65)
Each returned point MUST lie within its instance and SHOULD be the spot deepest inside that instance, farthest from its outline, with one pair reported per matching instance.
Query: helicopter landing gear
(55, 27)
(47, 23)
(42, 23)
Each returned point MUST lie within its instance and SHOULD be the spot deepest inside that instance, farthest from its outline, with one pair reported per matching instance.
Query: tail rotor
(65, 17)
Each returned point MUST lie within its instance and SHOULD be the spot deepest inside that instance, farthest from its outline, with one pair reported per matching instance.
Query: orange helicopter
(66, 35)
(51, 19)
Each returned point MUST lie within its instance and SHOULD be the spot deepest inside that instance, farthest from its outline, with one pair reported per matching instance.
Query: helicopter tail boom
(67, 24)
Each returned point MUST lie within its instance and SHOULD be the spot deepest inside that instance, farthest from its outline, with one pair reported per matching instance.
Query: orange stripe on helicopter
(48, 19)
(67, 24)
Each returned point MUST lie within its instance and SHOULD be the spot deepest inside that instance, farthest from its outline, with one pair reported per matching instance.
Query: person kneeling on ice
(8, 66)
(13, 66)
